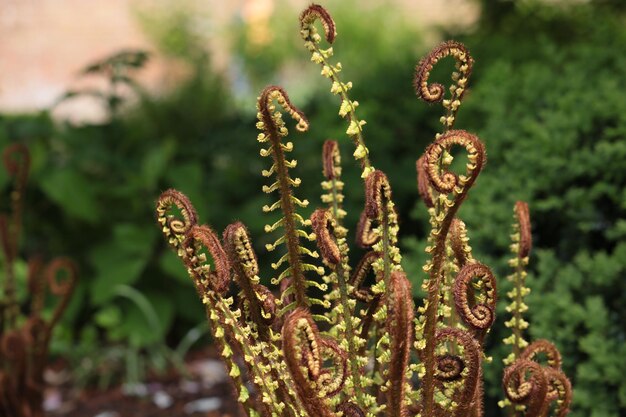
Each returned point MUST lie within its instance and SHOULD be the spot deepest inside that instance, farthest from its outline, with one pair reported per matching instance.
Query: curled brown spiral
(377, 194)
(449, 367)
(311, 14)
(243, 260)
(62, 289)
(197, 238)
(523, 219)
(447, 181)
(423, 183)
(274, 92)
(175, 228)
(350, 410)
(433, 93)
(323, 224)
(525, 382)
(331, 381)
(238, 246)
(331, 159)
(399, 325)
(358, 276)
(301, 343)
(365, 237)
(559, 390)
(452, 368)
(302, 350)
(477, 315)
(545, 347)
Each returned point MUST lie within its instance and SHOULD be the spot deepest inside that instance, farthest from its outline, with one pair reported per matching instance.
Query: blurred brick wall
(44, 43)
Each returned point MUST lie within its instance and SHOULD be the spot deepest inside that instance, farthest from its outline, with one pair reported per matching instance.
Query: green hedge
(549, 105)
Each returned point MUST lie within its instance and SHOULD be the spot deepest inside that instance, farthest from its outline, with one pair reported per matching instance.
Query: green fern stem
(520, 247)
(342, 90)
(223, 317)
(320, 56)
(450, 315)
(350, 334)
(342, 270)
(291, 236)
(270, 122)
(243, 397)
(517, 315)
(430, 326)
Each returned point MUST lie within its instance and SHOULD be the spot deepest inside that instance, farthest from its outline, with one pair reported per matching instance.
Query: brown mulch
(115, 403)
(180, 398)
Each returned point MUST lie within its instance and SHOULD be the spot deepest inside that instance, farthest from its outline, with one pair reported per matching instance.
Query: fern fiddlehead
(437, 185)
(303, 347)
(530, 391)
(523, 355)
(521, 246)
(434, 93)
(320, 56)
(478, 314)
(273, 127)
(461, 373)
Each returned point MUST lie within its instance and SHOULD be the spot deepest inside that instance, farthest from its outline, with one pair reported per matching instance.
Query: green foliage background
(546, 97)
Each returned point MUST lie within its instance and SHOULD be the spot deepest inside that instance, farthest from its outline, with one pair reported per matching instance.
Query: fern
(360, 349)
(25, 338)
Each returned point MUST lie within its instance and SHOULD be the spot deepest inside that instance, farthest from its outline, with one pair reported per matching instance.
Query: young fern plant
(360, 350)
(25, 337)
(523, 357)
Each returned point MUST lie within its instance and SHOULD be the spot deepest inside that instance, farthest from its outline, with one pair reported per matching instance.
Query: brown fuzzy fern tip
(314, 12)
(523, 218)
(433, 93)
(330, 159)
(323, 224)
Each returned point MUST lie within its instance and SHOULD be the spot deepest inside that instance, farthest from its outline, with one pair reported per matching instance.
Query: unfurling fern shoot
(363, 348)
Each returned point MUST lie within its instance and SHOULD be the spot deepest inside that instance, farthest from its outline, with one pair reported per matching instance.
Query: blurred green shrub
(549, 105)
(89, 185)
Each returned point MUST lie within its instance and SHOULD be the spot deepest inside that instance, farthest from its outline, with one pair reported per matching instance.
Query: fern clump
(362, 350)
(25, 333)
